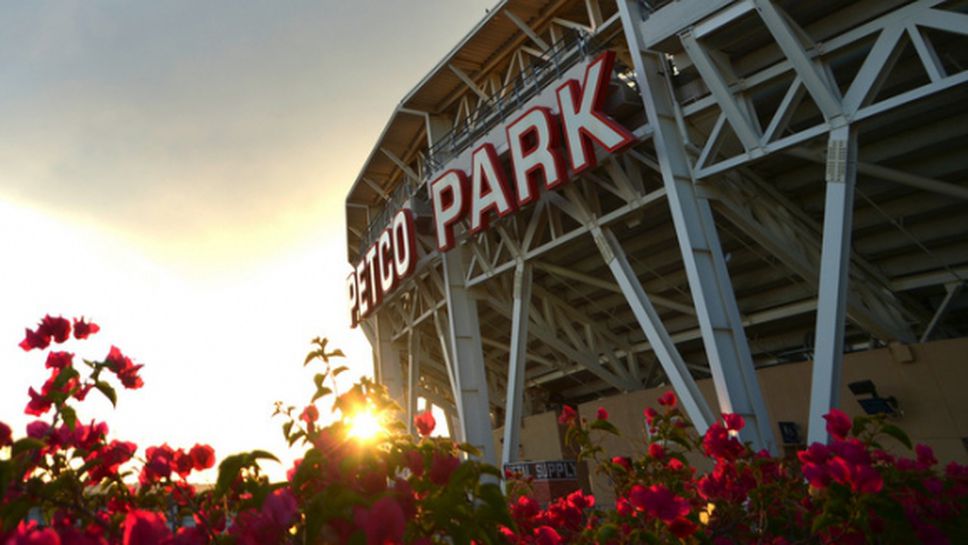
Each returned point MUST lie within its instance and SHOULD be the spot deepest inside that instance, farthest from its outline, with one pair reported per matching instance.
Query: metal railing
(561, 56)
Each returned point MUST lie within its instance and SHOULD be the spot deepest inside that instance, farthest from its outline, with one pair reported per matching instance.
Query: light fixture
(874, 404)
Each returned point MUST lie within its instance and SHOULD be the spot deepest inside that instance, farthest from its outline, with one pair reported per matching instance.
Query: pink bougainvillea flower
(442, 467)
(38, 429)
(310, 414)
(281, 507)
(38, 404)
(733, 421)
(29, 533)
(59, 360)
(602, 414)
(124, 368)
(925, 454)
(623, 461)
(203, 457)
(6, 435)
(34, 339)
(383, 523)
(58, 328)
(84, 329)
(425, 423)
(546, 535)
(658, 501)
(838, 423)
(668, 399)
(682, 527)
(567, 416)
(145, 528)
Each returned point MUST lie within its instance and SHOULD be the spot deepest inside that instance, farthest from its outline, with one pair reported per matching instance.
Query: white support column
(468, 357)
(389, 370)
(724, 339)
(834, 267)
(665, 350)
(517, 359)
(413, 376)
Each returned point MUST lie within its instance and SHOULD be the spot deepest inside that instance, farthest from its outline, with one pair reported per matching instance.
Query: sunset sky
(176, 171)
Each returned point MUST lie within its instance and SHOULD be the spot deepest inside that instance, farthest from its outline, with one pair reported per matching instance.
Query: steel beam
(952, 292)
(834, 264)
(665, 350)
(517, 362)
(724, 339)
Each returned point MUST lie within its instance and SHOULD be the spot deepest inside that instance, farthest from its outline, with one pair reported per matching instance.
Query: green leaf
(860, 422)
(287, 428)
(70, 416)
(898, 434)
(228, 470)
(25, 445)
(108, 392)
(261, 454)
(604, 425)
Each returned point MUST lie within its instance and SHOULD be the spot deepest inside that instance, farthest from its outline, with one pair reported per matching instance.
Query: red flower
(59, 328)
(546, 535)
(182, 463)
(602, 414)
(203, 456)
(682, 527)
(442, 467)
(281, 507)
(623, 461)
(124, 368)
(59, 360)
(838, 423)
(658, 501)
(425, 423)
(567, 416)
(656, 450)
(668, 399)
(28, 533)
(145, 528)
(310, 414)
(6, 435)
(650, 414)
(38, 404)
(34, 340)
(383, 523)
(733, 421)
(83, 329)
(925, 454)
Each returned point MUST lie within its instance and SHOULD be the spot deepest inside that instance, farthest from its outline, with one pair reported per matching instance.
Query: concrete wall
(930, 382)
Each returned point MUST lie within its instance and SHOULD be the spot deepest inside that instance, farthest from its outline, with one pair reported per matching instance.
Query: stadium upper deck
(796, 189)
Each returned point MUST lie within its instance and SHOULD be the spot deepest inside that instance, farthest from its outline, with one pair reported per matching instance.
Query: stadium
(759, 204)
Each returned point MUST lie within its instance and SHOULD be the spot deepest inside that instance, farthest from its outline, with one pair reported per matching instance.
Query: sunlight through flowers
(365, 425)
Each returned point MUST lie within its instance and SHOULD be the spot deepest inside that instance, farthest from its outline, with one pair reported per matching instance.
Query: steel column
(834, 265)
(517, 362)
(388, 370)
(467, 356)
(724, 339)
(413, 377)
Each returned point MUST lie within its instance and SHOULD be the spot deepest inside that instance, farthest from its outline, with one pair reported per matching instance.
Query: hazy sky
(177, 171)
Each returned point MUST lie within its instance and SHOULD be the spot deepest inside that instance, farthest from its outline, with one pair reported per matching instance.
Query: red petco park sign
(537, 157)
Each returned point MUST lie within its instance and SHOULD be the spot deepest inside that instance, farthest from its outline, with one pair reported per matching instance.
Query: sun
(365, 425)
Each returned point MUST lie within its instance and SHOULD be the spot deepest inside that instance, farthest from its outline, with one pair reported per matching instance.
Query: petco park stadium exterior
(756, 203)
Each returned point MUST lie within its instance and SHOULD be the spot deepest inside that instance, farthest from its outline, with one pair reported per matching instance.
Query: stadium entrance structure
(794, 190)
